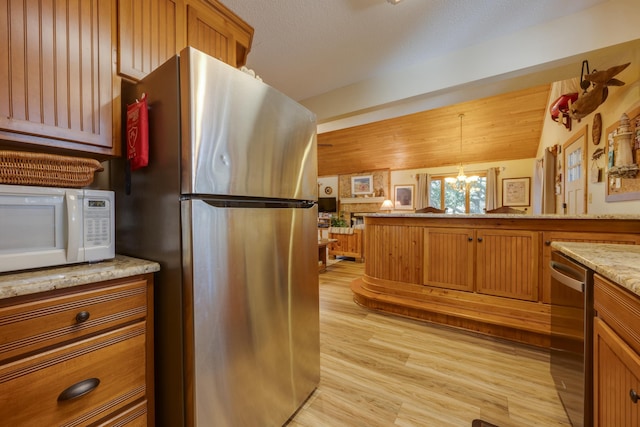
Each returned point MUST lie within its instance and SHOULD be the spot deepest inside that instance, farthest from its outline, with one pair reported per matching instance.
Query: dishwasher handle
(557, 270)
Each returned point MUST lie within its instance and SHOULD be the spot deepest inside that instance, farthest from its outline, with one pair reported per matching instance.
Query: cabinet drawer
(34, 325)
(619, 308)
(116, 359)
(136, 416)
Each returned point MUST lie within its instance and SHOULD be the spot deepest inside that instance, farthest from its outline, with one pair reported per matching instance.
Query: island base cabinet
(616, 380)
(76, 384)
(616, 355)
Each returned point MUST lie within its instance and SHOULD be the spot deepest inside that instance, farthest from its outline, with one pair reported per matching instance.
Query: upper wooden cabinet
(147, 35)
(56, 75)
(151, 31)
(215, 30)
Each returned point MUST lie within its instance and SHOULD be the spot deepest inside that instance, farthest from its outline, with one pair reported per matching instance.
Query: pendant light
(461, 179)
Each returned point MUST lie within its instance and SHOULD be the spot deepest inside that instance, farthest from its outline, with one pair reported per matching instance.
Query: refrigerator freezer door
(253, 283)
(241, 137)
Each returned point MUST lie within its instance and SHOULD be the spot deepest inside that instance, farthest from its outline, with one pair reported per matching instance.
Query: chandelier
(461, 179)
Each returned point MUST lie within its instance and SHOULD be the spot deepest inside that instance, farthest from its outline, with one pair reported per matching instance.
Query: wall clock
(596, 129)
(328, 190)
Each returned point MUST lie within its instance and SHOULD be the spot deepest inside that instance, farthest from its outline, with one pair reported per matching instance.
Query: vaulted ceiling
(505, 127)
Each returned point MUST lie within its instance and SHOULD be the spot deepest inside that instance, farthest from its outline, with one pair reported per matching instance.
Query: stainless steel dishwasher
(572, 337)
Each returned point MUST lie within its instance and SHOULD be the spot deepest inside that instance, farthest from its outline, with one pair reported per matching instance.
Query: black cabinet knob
(83, 316)
(547, 242)
(633, 395)
(479, 239)
(471, 239)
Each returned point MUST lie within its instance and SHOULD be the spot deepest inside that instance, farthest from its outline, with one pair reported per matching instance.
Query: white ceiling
(310, 48)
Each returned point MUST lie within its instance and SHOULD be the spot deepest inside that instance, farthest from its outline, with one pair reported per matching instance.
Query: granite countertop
(47, 279)
(618, 263)
(628, 217)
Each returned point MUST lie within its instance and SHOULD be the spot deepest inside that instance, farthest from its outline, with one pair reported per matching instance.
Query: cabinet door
(216, 31)
(448, 258)
(556, 236)
(56, 79)
(616, 379)
(147, 35)
(507, 263)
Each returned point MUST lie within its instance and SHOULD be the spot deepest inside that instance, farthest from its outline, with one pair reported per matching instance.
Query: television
(327, 204)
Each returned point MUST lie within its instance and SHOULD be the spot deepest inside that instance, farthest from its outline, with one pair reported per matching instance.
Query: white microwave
(46, 226)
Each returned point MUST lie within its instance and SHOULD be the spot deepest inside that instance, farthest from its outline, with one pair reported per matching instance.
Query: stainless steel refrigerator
(226, 206)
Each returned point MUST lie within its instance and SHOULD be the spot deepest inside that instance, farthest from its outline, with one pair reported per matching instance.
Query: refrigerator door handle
(258, 203)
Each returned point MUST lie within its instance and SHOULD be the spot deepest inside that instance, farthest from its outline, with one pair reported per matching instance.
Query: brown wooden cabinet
(449, 258)
(507, 263)
(151, 31)
(493, 262)
(147, 35)
(616, 355)
(56, 68)
(215, 30)
(348, 245)
(79, 356)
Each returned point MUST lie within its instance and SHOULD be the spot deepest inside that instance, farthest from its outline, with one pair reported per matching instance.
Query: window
(459, 197)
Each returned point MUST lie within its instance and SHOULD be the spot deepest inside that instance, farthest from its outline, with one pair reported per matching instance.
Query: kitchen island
(485, 273)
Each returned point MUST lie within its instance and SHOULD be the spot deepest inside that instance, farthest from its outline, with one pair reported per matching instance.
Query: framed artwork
(516, 191)
(362, 184)
(403, 197)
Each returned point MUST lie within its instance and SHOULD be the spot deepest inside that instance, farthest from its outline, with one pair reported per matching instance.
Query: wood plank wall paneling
(504, 127)
(146, 35)
(47, 80)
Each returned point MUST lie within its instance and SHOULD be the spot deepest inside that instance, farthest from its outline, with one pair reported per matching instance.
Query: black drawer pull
(633, 395)
(83, 316)
(471, 239)
(547, 242)
(79, 389)
(479, 239)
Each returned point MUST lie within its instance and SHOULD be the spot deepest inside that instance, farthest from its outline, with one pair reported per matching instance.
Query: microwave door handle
(73, 226)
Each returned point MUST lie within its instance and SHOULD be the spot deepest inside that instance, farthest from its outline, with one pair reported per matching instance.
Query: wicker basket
(48, 170)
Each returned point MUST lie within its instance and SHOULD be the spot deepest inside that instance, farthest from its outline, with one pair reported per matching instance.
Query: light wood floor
(383, 370)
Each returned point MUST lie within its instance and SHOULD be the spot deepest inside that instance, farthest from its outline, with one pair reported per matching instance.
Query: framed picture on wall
(403, 197)
(515, 191)
(362, 184)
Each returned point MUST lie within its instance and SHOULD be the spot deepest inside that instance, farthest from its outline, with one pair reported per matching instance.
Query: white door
(575, 174)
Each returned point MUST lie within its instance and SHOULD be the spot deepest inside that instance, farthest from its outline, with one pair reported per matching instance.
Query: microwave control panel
(97, 222)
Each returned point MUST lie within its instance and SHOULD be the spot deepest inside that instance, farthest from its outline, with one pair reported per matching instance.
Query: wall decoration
(515, 191)
(622, 176)
(361, 185)
(591, 100)
(596, 129)
(403, 197)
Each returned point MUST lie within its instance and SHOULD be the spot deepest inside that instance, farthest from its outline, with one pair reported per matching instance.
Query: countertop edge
(48, 279)
(618, 263)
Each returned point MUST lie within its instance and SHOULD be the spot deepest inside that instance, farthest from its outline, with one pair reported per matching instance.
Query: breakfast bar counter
(486, 273)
